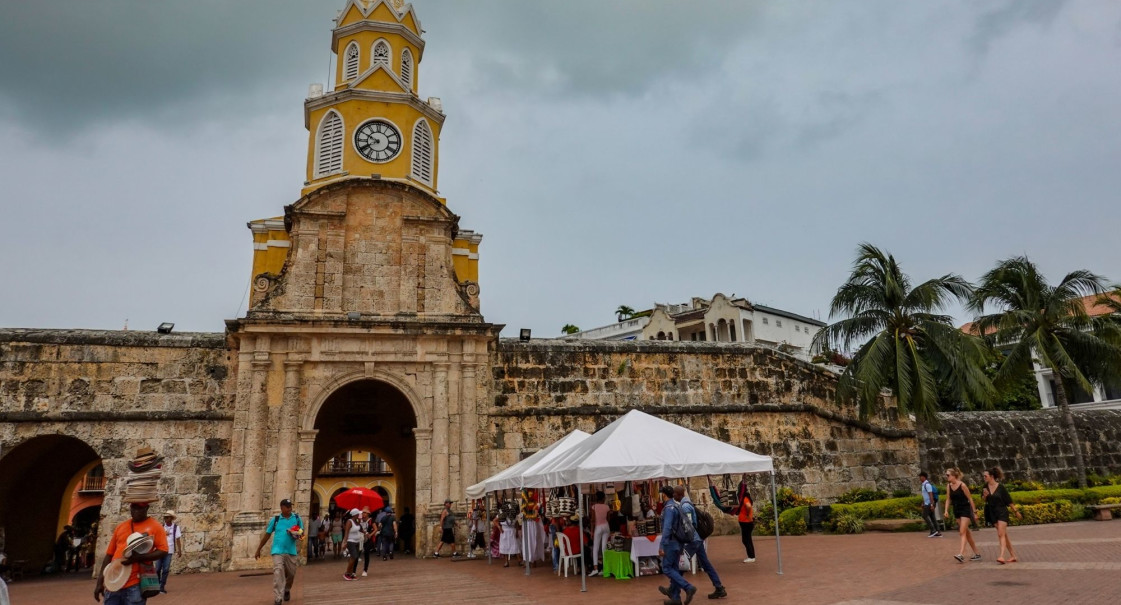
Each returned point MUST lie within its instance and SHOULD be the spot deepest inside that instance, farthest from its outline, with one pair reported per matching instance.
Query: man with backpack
(929, 505)
(698, 548)
(285, 529)
(677, 533)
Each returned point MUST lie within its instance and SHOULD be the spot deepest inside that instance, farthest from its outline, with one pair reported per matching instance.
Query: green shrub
(787, 498)
(1026, 485)
(1114, 500)
(1051, 495)
(845, 523)
(792, 522)
(861, 494)
(901, 493)
(1107, 491)
(893, 508)
(1058, 511)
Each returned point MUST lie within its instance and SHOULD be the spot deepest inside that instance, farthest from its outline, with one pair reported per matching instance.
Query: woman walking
(744, 510)
(355, 536)
(997, 503)
(337, 534)
(964, 512)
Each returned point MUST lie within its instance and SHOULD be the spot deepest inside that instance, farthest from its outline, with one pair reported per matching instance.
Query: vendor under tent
(639, 447)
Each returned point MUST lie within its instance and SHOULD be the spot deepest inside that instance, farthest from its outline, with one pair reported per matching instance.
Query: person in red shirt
(139, 522)
(744, 510)
(572, 531)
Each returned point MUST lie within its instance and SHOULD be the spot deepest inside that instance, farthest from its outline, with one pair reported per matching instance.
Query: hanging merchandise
(728, 495)
(566, 505)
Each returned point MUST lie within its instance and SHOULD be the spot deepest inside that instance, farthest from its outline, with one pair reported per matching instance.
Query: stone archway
(372, 415)
(34, 479)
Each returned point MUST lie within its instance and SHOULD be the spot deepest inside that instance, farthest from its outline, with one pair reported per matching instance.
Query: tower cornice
(339, 96)
(381, 28)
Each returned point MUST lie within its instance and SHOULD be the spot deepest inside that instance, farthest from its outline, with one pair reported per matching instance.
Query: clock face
(377, 141)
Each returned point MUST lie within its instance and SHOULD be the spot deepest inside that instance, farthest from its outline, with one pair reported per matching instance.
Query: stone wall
(1026, 445)
(755, 398)
(116, 392)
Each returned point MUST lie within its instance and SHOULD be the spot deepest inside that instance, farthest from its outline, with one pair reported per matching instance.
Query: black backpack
(705, 524)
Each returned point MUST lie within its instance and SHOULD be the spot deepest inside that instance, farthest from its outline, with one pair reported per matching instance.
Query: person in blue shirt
(698, 546)
(671, 551)
(284, 554)
(929, 505)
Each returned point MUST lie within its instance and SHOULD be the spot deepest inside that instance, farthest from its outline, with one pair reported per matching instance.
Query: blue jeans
(125, 596)
(163, 568)
(670, 562)
(698, 548)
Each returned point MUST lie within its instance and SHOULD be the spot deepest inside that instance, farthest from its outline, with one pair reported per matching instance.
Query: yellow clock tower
(373, 122)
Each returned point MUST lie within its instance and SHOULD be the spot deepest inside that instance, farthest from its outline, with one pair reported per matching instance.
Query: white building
(717, 320)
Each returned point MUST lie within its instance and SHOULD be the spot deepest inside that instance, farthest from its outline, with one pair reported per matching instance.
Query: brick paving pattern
(1062, 563)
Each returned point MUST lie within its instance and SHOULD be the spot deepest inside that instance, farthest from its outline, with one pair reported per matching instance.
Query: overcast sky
(611, 152)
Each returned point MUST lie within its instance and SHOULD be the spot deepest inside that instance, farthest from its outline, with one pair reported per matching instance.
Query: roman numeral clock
(377, 141)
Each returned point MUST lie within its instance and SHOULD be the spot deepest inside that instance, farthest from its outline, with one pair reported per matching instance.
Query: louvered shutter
(407, 68)
(423, 152)
(329, 155)
(350, 67)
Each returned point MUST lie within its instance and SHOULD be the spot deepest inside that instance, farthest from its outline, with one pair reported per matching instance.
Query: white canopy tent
(640, 447)
(511, 477)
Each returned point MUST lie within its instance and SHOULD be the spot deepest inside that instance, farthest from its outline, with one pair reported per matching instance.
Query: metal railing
(92, 484)
(364, 467)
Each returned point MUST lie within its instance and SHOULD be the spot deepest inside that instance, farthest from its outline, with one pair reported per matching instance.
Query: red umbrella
(360, 497)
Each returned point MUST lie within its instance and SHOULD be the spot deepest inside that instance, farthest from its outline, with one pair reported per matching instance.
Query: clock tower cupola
(371, 123)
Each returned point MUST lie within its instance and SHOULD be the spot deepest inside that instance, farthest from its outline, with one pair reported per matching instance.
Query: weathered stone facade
(755, 398)
(1025, 445)
(114, 392)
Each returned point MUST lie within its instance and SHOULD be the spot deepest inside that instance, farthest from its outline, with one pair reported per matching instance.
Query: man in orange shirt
(129, 594)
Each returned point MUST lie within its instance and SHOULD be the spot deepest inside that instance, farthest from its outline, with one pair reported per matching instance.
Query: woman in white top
(355, 536)
(601, 533)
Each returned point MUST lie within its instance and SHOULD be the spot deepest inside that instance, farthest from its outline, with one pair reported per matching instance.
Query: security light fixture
(524, 335)
(165, 327)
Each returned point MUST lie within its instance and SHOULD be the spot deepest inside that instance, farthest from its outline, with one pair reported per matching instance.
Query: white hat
(116, 573)
(171, 514)
(354, 512)
(138, 543)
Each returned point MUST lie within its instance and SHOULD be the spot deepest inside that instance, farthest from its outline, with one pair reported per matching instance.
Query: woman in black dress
(997, 503)
(964, 512)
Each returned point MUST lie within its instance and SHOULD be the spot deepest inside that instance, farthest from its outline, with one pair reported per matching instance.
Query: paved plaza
(1067, 563)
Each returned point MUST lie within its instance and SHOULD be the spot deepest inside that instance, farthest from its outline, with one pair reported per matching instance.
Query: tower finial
(398, 4)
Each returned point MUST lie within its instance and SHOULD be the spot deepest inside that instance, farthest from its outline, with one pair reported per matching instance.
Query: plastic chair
(566, 556)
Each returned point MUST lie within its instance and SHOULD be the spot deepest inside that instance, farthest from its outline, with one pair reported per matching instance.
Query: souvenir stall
(640, 452)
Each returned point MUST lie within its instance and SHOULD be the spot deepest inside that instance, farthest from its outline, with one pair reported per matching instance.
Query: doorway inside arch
(46, 483)
(366, 439)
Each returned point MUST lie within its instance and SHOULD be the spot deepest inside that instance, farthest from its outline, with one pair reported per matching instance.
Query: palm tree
(569, 329)
(1049, 324)
(906, 343)
(624, 312)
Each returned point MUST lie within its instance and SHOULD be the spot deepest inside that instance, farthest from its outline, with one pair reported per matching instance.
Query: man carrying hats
(284, 529)
(140, 540)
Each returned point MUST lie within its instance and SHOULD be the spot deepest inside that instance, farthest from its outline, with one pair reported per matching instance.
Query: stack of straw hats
(144, 473)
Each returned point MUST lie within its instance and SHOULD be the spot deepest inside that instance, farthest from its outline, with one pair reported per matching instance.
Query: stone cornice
(116, 416)
(298, 207)
(381, 28)
(117, 338)
(376, 96)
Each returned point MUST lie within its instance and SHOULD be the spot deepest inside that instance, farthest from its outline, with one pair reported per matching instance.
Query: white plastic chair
(566, 556)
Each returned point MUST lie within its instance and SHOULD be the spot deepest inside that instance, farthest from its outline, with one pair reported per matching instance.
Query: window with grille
(407, 68)
(329, 145)
(423, 152)
(350, 62)
(381, 53)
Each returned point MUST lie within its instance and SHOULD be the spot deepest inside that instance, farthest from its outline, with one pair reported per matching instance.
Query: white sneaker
(749, 560)
(594, 572)
(363, 574)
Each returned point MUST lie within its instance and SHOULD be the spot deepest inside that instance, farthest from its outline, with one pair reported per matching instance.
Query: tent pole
(486, 515)
(525, 537)
(774, 506)
(580, 540)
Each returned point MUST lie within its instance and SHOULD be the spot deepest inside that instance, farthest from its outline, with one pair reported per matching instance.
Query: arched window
(381, 53)
(407, 68)
(350, 62)
(424, 151)
(329, 145)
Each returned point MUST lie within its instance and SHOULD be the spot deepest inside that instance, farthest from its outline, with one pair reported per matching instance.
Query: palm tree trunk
(1068, 424)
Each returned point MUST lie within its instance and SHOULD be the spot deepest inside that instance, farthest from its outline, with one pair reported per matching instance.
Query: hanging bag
(728, 495)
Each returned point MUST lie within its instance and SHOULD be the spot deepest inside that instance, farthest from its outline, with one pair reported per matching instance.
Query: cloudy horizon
(620, 153)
